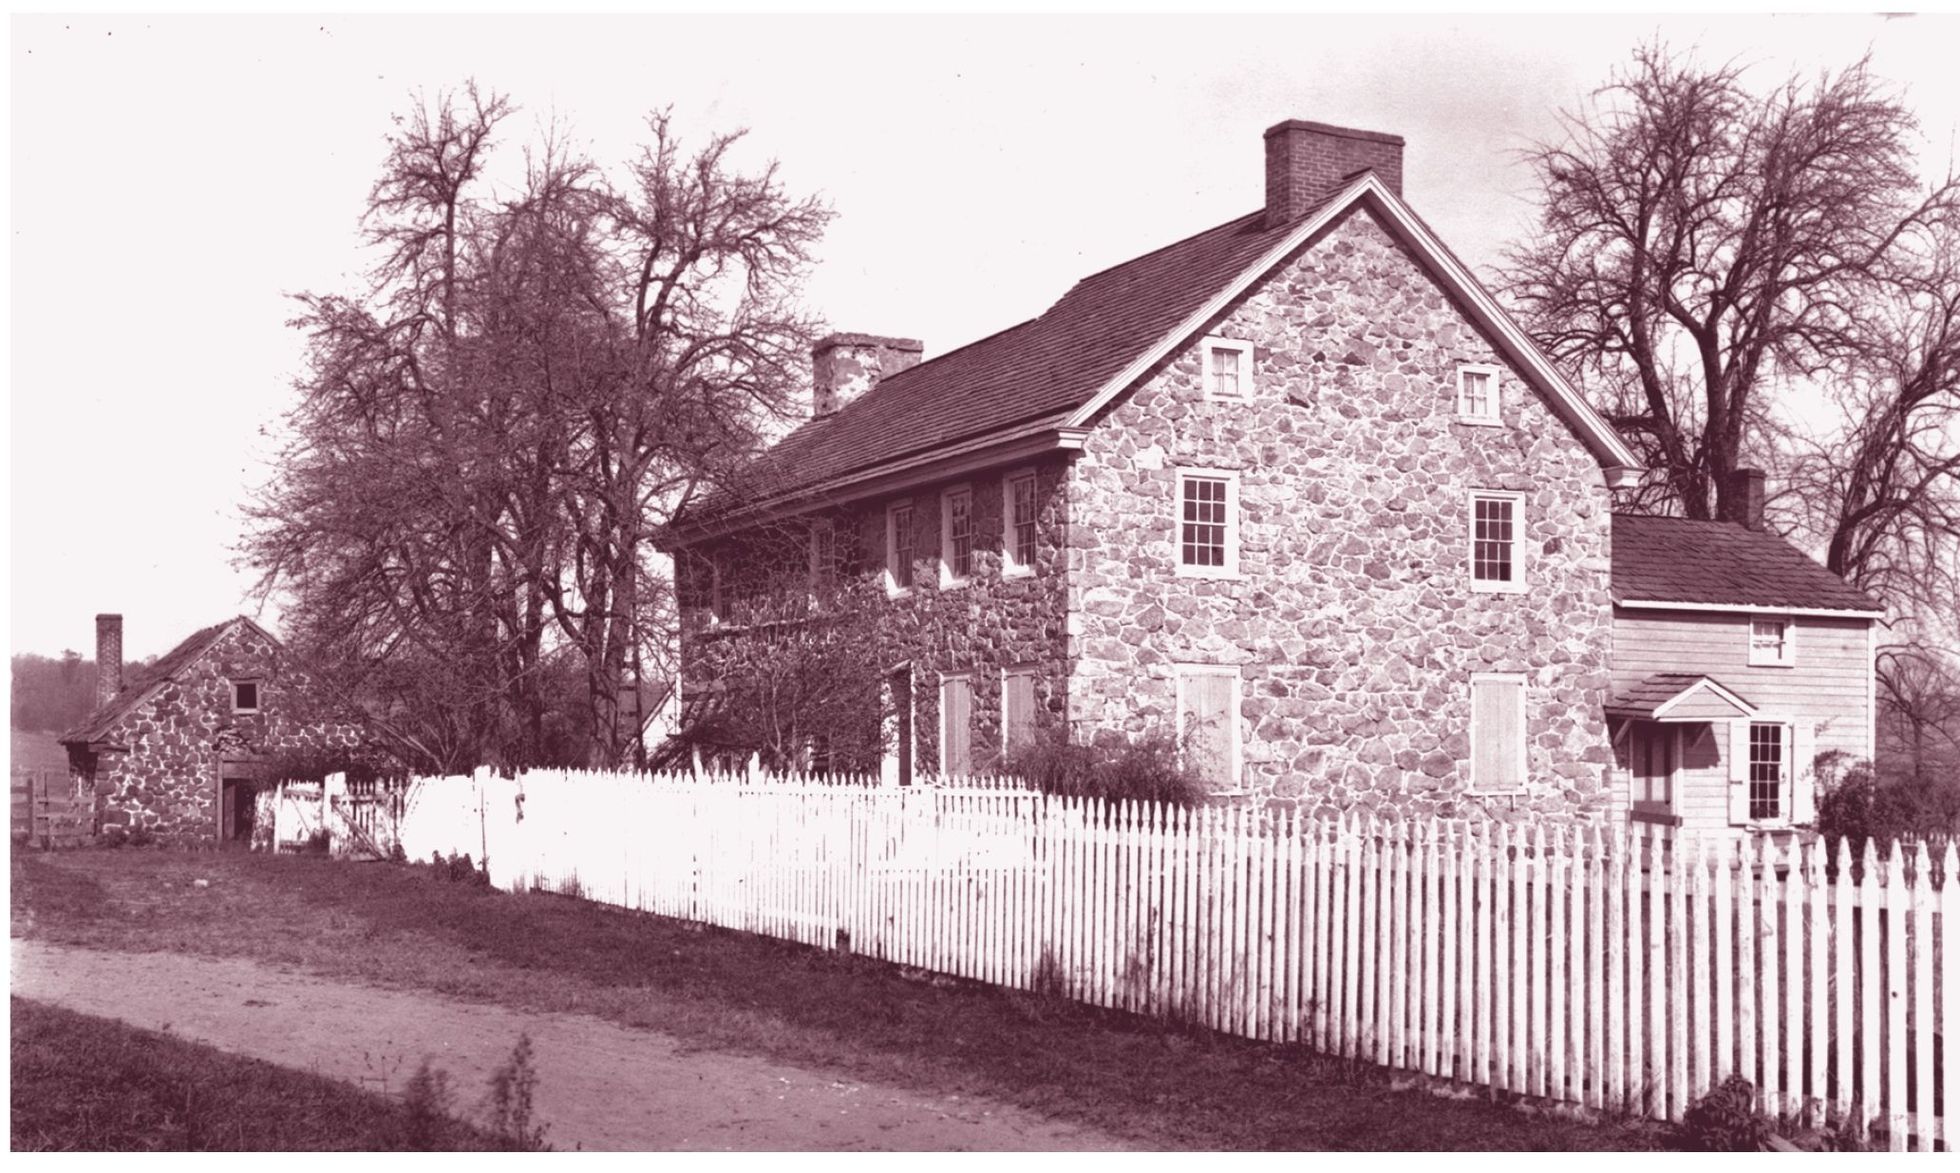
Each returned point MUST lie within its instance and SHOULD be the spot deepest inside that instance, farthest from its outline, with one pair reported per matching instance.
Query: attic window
(1228, 368)
(1770, 645)
(244, 696)
(1477, 400)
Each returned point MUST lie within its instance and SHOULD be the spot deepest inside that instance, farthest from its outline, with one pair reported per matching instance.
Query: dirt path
(600, 1086)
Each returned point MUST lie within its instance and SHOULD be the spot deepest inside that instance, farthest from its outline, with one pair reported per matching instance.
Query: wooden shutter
(1018, 706)
(1497, 733)
(1209, 717)
(1738, 773)
(956, 726)
(1803, 779)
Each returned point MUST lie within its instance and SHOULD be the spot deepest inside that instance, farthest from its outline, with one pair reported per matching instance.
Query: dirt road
(600, 1086)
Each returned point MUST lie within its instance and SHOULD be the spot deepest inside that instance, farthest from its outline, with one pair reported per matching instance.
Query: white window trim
(1244, 349)
(1495, 418)
(258, 689)
(891, 550)
(1786, 791)
(1524, 736)
(1677, 745)
(1033, 672)
(1519, 566)
(1010, 567)
(822, 526)
(717, 604)
(1231, 567)
(1235, 707)
(947, 579)
(946, 678)
(1789, 657)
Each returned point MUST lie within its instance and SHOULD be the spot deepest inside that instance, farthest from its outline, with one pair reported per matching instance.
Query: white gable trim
(1614, 456)
(1744, 710)
(1748, 609)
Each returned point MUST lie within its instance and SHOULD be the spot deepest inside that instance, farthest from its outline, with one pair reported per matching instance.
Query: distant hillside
(50, 695)
(34, 750)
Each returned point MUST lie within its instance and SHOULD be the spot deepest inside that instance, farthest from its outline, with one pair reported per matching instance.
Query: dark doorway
(237, 809)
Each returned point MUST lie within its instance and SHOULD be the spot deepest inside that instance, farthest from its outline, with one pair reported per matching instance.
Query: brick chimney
(108, 658)
(1306, 160)
(1743, 503)
(847, 365)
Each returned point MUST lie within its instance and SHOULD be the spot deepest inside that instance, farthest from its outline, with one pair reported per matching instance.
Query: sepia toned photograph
(974, 583)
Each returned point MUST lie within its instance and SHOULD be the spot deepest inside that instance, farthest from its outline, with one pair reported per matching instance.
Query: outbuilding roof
(1673, 561)
(165, 668)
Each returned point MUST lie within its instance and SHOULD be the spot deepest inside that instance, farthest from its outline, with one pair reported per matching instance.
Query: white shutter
(1803, 779)
(1017, 709)
(1497, 733)
(956, 726)
(1739, 773)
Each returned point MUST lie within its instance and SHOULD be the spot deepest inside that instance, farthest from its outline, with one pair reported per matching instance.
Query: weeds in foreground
(509, 1105)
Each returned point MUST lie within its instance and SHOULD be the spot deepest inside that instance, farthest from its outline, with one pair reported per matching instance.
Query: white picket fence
(1618, 971)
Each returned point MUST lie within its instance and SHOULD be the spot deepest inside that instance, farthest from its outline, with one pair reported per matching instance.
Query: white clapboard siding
(1616, 969)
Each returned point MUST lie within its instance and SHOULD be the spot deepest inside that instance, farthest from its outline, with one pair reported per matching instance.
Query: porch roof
(1679, 697)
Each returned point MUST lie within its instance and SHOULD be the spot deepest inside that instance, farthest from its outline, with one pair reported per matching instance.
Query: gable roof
(1655, 698)
(1057, 372)
(160, 672)
(1672, 562)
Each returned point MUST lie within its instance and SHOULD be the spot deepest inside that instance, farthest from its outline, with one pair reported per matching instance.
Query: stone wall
(1351, 619)
(185, 740)
(990, 623)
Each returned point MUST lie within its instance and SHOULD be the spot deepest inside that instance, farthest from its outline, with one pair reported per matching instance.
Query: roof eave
(1749, 609)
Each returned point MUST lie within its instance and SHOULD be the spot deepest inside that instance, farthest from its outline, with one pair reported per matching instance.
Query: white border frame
(1471, 784)
(1496, 416)
(258, 686)
(1231, 567)
(1180, 672)
(1789, 657)
(947, 579)
(1786, 792)
(1244, 349)
(1520, 564)
(1010, 566)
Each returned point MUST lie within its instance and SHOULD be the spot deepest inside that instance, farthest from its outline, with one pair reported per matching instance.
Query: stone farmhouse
(1298, 489)
(181, 752)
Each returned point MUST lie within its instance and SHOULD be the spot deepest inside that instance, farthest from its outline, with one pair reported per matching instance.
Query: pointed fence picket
(1623, 969)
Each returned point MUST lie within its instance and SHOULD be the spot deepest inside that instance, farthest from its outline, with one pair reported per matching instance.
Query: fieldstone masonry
(182, 742)
(1351, 619)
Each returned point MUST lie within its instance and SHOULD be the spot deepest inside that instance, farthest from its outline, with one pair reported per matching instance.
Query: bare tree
(489, 434)
(1701, 247)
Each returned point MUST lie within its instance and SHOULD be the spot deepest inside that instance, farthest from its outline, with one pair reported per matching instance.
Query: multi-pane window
(1495, 550)
(823, 556)
(1017, 539)
(1766, 771)
(1227, 367)
(1496, 731)
(1769, 643)
(1206, 536)
(1476, 394)
(898, 547)
(956, 537)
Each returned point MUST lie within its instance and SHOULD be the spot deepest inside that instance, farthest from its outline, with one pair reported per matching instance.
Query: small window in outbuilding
(244, 696)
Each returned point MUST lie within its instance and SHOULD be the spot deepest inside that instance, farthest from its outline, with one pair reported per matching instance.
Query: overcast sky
(174, 180)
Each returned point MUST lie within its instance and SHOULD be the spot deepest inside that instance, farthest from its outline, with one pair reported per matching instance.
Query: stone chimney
(1306, 160)
(1743, 504)
(108, 658)
(848, 365)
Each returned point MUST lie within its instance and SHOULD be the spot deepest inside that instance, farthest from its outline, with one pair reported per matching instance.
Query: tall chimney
(848, 365)
(108, 658)
(1306, 160)
(1744, 500)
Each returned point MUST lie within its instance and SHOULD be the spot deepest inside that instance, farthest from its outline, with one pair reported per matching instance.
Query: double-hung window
(1208, 523)
(1496, 541)
(898, 549)
(1227, 368)
(1017, 524)
(823, 558)
(1770, 643)
(955, 537)
(1768, 771)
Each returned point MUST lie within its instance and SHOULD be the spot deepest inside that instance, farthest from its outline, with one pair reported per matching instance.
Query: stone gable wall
(1352, 620)
(989, 624)
(185, 739)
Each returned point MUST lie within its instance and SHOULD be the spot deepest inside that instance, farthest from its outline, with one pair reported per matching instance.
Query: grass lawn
(1165, 1087)
(90, 1083)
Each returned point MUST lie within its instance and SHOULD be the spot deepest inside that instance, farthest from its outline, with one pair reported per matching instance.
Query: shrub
(1858, 806)
(116, 836)
(430, 1104)
(142, 837)
(509, 1104)
(318, 843)
(1725, 1120)
(1149, 769)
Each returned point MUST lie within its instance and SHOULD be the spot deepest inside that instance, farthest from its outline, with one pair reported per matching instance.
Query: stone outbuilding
(180, 751)
(1296, 490)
